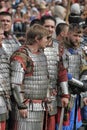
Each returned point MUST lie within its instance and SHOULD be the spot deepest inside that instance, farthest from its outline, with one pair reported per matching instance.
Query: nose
(3, 36)
(50, 29)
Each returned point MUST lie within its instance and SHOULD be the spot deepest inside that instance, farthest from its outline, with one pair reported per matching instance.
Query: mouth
(49, 37)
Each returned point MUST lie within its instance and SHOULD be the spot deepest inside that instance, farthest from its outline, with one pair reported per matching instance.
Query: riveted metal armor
(73, 63)
(36, 85)
(83, 78)
(52, 60)
(83, 75)
(4, 72)
(35, 88)
(4, 85)
(10, 45)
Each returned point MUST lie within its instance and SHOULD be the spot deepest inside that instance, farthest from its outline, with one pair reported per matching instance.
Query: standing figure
(57, 73)
(30, 80)
(61, 34)
(10, 42)
(73, 61)
(5, 90)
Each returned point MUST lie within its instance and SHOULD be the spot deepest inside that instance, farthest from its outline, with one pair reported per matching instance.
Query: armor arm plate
(17, 75)
(18, 95)
(83, 78)
(63, 81)
(64, 88)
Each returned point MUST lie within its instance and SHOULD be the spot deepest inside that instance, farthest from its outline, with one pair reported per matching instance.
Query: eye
(47, 26)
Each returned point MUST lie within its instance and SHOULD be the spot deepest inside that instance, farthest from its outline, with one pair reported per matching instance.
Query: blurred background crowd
(24, 11)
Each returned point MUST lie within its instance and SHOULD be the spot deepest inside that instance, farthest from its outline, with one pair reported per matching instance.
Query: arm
(63, 81)
(83, 78)
(17, 76)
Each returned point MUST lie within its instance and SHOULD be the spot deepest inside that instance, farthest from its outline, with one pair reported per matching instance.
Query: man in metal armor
(55, 72)
(10, 42)
(5, 90)
(30, 80)
(74, 61)
(83, 78)
(61, 34)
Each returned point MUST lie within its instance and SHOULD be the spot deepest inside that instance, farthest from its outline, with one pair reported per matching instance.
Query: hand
(50, 107)
(54, 92)
(64, 102)
(23, 113)
(85, 101)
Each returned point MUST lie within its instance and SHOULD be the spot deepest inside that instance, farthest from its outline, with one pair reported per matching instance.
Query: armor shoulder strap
(65, 56)
(22, 56)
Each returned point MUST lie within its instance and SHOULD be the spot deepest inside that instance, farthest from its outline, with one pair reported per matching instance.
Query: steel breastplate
(10, 45)
(4, 74)
(74, 62)
(37, 84)
(52, 60)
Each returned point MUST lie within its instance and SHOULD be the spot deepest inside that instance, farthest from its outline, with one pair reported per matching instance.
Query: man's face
(75, 38)
(43, 42)
(1, 36)
(50, 25)
(6, 22)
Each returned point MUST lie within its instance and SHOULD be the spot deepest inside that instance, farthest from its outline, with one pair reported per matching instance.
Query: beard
(6, 33)
(75, 44)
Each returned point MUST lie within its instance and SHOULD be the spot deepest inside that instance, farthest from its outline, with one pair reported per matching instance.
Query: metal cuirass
(4, 73)
(36, 85)
(3, 109)
(35, 88)
(74, 62)
(52, 60)
(4, 84)
(10, 45)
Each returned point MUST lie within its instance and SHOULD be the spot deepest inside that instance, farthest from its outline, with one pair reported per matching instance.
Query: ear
(62, 34)
(36, 39)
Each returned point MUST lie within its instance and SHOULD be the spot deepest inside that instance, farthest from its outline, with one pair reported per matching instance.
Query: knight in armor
(30, 80)
(61, 34)
(74, 61)
(83, 78)
(10, 42)
(5, 90)
(55, 72)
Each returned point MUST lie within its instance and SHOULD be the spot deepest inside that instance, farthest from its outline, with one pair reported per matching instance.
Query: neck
(59, 38)
(33, 48)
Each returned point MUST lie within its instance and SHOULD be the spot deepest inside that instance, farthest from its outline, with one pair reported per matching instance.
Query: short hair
(36, 30)
(5, 13)
(35, 21)
(47, 17)
(61, 27)
(75, 28)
